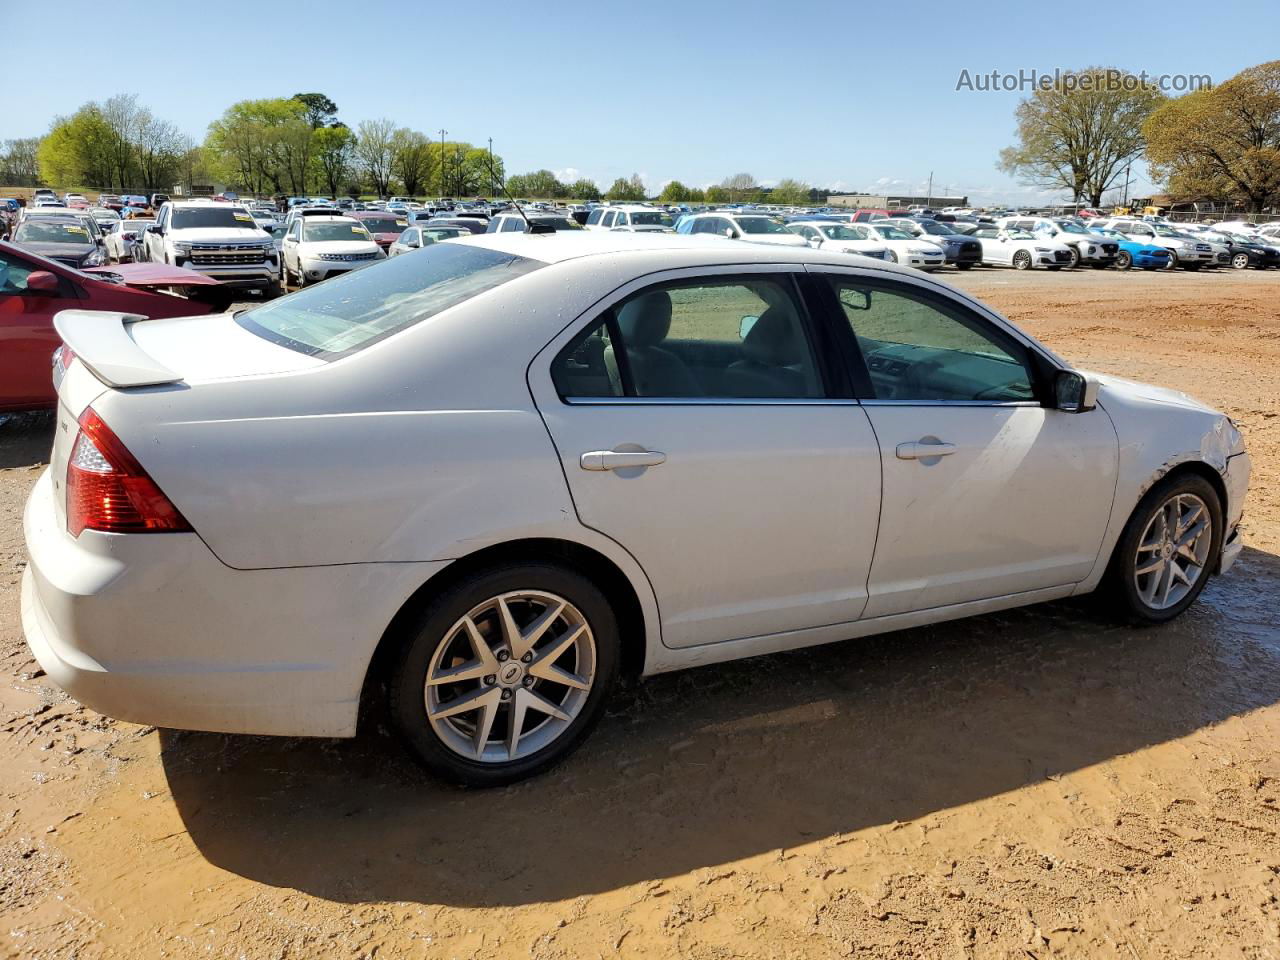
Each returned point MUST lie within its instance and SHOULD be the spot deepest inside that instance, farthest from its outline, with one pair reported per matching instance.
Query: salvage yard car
(33, 289)
(473, 486)
(1133, 253)
(1021, 250)
(839, 238)
(317, 248)
(219, 240)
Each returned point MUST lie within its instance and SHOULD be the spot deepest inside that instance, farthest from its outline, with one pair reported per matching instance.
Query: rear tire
(964, 266)
(1125, 260)
(473, 746)
(1152, 538)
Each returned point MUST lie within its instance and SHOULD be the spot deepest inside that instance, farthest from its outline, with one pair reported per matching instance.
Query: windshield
(384, 224)
(210, 216)
(893, 233)
(51, 231)
(313, 231)
(936, 228)
(1020, 235)
(1165, 231)
(1066, 226)
(836, 232)
(760, 225)
(560, 223)
(645, 218)
(105, 215)
(443, 233)
(357, 309)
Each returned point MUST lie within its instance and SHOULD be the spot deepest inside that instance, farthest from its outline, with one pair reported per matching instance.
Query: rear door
(701, 425)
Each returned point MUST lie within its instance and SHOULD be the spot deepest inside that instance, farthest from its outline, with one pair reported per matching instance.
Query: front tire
(1240, 261)
(1075, 257)
(505, 673)
(1171, 542)
(893, 257)
(1022, 260)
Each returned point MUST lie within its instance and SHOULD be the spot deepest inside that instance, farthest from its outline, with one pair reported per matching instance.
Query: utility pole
(492, 186)
(1126, 185)
(443, 131)
(929, 200)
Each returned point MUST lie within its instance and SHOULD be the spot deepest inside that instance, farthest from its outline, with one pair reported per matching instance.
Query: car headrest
(772, 340)
(646, 320)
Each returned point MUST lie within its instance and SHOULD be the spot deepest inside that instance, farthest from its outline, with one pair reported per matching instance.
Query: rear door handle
(620, 459)
(923, 450)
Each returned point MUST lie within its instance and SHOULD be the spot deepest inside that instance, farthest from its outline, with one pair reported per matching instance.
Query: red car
(385, 227)
(33, 289)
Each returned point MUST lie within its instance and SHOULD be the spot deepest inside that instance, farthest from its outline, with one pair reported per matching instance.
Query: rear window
(356, 310)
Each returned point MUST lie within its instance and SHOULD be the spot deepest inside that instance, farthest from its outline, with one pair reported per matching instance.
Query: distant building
(861, 200)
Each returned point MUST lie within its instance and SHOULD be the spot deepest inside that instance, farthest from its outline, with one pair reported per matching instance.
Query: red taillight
(108, 490)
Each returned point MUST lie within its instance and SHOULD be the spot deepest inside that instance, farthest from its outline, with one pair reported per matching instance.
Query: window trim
(831, 378)
(1040, 368)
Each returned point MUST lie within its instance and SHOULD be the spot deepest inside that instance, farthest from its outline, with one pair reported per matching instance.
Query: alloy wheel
(510, 676)
(1173, 551)
(1240, 261)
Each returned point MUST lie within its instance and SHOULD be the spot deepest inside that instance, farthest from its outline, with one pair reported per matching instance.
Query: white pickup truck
(220, 240)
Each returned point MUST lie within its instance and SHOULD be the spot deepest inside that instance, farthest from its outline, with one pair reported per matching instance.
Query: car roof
(682, 249)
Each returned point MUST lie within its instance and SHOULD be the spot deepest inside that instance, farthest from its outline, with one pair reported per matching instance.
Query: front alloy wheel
(1022, 260)
(505, 673)
(1168, 549)
(1240, 261)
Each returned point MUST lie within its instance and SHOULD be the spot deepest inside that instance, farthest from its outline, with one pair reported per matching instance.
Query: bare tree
(739, 185)
(374, 152)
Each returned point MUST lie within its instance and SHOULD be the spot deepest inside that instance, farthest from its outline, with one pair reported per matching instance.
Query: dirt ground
(1040, 783)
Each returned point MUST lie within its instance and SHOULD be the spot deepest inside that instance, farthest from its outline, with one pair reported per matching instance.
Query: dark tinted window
(731, 338)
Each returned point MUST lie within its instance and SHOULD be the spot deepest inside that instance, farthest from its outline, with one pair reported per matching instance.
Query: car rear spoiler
(101, 341)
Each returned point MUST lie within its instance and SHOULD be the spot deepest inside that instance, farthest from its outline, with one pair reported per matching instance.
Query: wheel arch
(633, 627)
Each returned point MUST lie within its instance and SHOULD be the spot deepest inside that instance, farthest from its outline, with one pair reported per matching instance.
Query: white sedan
(840, 238)
(415, 238)
(477, 484)
(123, 238)
(907, 249)
(319, 247)
(1021, 249)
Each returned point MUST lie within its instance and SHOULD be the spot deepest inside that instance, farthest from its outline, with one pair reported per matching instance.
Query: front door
(986, 492)
(698, 428)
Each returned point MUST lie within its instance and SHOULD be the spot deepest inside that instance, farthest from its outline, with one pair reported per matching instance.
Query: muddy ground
(1032, 784)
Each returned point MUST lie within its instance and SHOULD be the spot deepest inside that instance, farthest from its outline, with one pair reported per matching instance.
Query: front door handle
(621, 459)
(924, 449)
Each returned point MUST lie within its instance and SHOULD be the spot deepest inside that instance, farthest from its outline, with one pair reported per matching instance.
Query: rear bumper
(154, 629)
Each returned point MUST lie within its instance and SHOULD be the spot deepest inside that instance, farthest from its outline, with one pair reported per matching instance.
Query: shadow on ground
(25, 438)
(708, 766)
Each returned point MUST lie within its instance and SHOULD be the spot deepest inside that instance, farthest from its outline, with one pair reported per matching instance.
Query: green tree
(78, 150)
(584, 189)
(790, 192)
(674, 192)
(1221, 143)
(261, 144)
(627, 189)
(320, 110)
(411, 160)
(716, 194)
(538, 185)
(335, 155)
(696, 195)
(1081, 134)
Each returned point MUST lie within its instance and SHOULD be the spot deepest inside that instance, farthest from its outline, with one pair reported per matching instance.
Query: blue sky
(852, 96)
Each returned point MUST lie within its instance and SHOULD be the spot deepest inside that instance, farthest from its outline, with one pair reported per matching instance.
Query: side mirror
(1074, 392)
(745, 326)
(729, 232)
(42, 281)
(156, 229)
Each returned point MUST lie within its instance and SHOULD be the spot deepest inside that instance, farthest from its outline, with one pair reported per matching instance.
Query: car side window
(13, 275)
(594, 217)
(716, 338)
(607, 220)
(922, 348)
